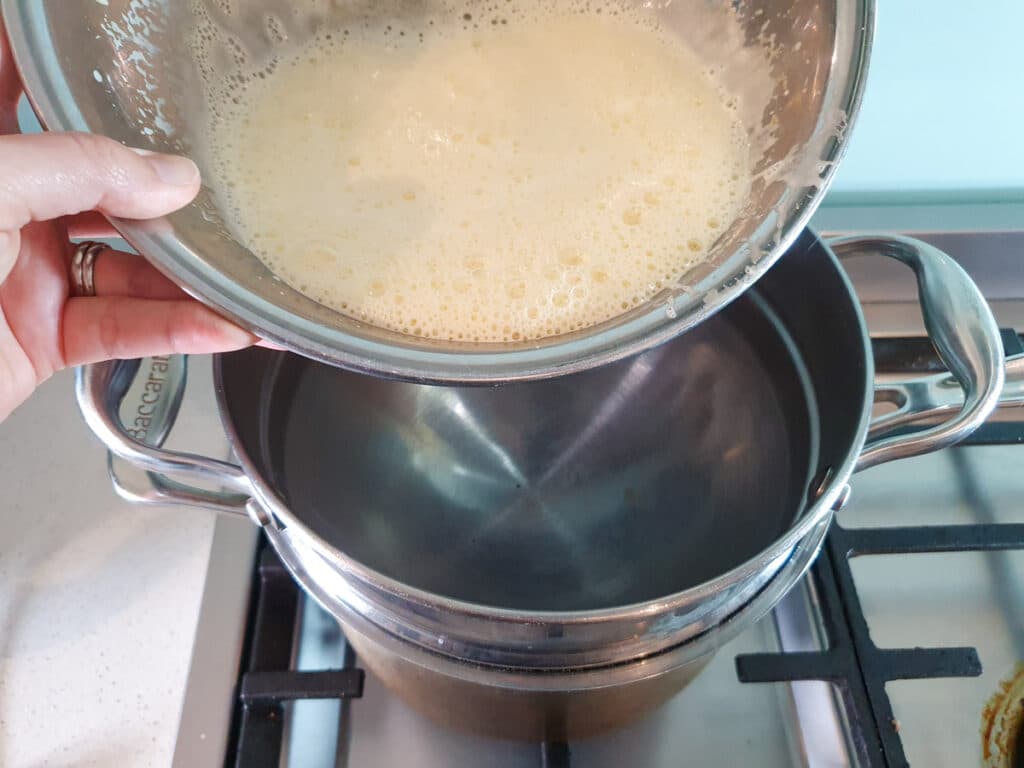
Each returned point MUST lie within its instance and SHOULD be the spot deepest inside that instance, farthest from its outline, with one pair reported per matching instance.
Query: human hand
(53, 187)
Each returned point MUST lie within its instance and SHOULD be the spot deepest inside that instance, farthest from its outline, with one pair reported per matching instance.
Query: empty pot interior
(629, 482)
(623, 484)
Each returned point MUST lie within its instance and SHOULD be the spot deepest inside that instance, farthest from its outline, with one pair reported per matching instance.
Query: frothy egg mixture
(487, 180)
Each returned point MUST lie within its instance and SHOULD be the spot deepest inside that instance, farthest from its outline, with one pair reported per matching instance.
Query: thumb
(46, 176)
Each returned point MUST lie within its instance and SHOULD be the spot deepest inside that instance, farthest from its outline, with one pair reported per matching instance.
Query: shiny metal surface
(579, 522)
(122, 68)
(962, 328)
(575, 480)
(932, 396)
(716, 721)
(597, 490)
(552, 704)
(887, 290)
(83, 268)
(553, 524)
(132, 414)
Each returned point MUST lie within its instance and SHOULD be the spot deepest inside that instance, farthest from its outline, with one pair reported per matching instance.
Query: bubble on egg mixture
(500, 174)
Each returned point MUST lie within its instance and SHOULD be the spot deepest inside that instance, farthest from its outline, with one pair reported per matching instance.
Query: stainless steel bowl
(123, 68)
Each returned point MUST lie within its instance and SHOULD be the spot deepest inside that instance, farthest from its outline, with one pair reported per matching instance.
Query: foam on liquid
(498, 179)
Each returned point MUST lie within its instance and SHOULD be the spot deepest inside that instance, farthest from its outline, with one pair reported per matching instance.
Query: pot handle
(150, 392)
(931, 396)
(965, 334)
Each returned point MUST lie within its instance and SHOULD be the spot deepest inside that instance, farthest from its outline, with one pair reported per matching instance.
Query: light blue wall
(28, 121)
(943, 112)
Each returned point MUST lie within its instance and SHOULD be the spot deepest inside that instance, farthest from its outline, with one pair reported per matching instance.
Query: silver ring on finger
(83, 268)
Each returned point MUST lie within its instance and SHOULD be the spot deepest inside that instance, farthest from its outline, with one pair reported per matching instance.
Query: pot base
(523, 715)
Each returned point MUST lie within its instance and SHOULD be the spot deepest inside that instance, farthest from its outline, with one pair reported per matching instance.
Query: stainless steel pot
(123, 68)
(565, 554)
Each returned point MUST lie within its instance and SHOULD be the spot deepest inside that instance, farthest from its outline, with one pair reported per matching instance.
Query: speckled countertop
(99, 599)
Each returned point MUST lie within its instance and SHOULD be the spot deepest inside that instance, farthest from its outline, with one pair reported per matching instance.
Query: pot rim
(546, 679)
(281, 517)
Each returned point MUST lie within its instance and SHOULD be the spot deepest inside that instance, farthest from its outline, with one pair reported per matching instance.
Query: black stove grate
(851, 662)
(268, 681)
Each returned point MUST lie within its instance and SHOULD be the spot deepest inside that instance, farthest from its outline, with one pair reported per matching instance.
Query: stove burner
(1002, 724)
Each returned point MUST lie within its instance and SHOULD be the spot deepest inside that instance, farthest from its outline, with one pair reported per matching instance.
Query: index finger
(90, 225)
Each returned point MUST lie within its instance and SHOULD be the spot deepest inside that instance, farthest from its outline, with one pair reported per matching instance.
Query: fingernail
(234, 337)
(172, 169)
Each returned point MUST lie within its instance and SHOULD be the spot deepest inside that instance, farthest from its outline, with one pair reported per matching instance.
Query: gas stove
(887, 654)
(900, 647)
